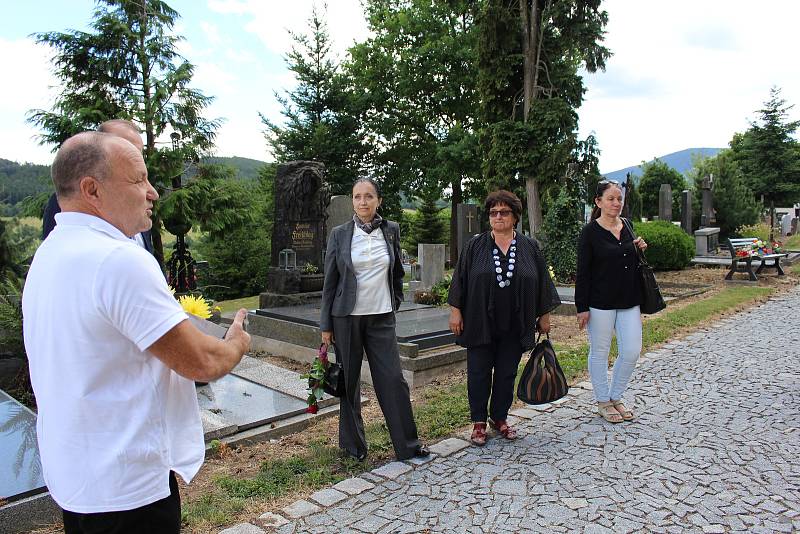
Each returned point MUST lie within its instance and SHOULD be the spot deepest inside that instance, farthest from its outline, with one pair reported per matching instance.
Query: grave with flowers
(748, 249)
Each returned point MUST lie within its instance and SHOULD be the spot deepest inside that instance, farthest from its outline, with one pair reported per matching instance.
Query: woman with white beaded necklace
(500, 296)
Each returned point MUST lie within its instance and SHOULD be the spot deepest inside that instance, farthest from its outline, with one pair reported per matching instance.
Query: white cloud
(270, 23)
(687, 74)
(33, 88)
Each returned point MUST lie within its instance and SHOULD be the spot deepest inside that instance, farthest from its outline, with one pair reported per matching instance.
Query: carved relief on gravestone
(301, 199)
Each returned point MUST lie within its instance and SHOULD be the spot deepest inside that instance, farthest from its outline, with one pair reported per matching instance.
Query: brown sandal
(607, 411)
(478, 436)
(504, 429)
(624, 412)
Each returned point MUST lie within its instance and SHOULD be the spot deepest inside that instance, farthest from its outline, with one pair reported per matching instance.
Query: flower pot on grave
(311, 282)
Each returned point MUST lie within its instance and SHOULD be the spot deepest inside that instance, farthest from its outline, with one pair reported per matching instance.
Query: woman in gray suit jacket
(363, 290)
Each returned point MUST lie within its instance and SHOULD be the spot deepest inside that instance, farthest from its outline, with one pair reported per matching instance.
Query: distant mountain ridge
(19, 180)
(680, 161)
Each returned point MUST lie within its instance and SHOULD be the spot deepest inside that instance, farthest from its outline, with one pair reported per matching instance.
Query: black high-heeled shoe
(422, 452)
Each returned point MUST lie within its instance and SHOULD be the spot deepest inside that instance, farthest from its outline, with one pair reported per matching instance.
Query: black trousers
(375, 335)
(160, 517)
(491, 370)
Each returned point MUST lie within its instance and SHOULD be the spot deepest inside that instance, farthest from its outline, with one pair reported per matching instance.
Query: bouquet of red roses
(316, 379)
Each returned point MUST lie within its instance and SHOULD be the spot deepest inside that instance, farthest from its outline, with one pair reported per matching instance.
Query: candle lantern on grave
(181, 267)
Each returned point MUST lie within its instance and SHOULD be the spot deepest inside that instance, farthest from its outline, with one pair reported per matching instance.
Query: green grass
(792, 242)
(248, 303)
(439, 412)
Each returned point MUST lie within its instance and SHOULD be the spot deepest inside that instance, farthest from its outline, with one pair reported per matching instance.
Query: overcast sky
(683, 74)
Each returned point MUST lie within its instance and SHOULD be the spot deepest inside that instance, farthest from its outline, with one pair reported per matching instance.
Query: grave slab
(246, 404)
(20, 467)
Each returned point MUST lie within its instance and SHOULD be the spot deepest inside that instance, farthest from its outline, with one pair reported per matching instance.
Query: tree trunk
(534, 205)
(531, 18)
(456, 199)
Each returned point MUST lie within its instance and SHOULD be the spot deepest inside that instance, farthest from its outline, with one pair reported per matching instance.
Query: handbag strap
(639, 253)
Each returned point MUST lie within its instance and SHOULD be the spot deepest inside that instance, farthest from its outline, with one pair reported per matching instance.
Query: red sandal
(478, 436)
(504, 429)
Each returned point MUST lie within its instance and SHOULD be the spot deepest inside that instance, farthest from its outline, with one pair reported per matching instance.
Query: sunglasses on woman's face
(499, 213)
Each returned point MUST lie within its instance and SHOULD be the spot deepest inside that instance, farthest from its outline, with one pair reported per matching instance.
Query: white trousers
(602, 325)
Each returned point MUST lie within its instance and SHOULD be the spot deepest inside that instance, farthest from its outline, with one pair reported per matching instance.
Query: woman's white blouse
(370, 257)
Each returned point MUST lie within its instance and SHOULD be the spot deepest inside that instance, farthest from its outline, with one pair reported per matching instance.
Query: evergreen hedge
(668, 246)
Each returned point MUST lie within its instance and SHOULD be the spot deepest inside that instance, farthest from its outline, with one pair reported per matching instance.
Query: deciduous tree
(530, 52)
(654, 174)
(417, 73)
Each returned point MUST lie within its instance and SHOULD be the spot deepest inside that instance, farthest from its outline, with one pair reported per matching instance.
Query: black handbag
(542, 379)
(334, 378)
(652, 301)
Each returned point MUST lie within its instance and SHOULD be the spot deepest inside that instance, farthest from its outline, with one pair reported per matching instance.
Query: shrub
(437, 295)
(561, 230)
(668, 247)
(759, 230)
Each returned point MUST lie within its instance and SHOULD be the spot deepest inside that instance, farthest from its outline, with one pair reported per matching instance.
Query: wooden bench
(745, 264)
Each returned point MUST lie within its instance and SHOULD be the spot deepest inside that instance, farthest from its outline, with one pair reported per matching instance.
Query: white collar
(77, 218)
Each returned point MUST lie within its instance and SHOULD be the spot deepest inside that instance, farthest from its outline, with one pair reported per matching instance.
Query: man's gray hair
(84, 154)
(107, 126)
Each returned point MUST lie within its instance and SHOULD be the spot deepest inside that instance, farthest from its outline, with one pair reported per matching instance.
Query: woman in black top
(607, 299)
(500, 295)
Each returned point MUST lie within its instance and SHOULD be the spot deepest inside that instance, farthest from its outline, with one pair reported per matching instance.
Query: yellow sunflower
(196, 305)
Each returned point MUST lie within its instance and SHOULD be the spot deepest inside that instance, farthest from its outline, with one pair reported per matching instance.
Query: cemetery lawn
(240, 483)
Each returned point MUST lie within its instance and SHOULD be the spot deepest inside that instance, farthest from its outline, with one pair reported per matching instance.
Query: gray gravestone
(431, 258)
(706, 241)
(301, 200)
(340, 211)
(686, 211)
(467, 224)
(786, 223)
(665, 203)
(707, 210)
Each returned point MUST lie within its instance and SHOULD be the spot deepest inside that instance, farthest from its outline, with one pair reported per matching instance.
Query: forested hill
(680, 161)
(19, 180)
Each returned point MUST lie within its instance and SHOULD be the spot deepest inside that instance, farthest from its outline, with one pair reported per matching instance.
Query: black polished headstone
(301, 201)
(20, 467)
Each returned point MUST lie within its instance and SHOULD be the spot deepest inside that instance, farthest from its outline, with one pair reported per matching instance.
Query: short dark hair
(84, 154)
(501, 196)
(105, 126)
(365, 179)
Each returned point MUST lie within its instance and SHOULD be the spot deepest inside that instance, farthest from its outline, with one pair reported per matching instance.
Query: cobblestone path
(715, 448)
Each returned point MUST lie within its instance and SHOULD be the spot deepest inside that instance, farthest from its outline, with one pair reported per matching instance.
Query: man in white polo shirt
(112, 354)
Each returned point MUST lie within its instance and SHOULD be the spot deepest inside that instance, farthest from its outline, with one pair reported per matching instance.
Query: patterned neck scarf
(370, 226)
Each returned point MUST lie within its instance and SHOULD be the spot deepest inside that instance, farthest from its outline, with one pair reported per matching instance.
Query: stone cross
(686, 211)
(665, 203)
